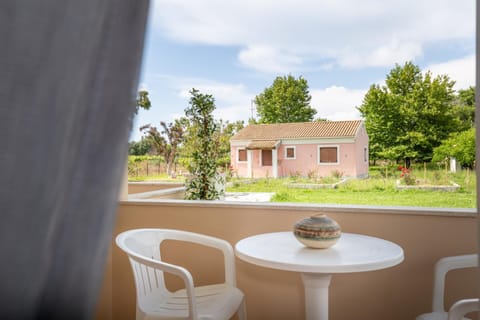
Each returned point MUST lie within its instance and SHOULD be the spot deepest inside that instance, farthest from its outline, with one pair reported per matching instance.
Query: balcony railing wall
(397, 293)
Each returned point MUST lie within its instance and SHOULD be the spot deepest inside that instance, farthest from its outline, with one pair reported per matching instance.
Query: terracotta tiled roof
(262, 144)
(299, 130)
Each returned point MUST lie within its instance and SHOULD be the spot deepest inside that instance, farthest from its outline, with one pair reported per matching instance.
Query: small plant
(336, 174)
(267, 175)
(312, 175)
(294, 175)
(281, 197)
(406, 175)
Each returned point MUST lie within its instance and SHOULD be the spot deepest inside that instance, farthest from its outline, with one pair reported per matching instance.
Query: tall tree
(286, 100)
(409, 116)
(166, 141)
(203, 165)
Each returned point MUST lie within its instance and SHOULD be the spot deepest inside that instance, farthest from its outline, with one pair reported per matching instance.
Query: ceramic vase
(318, 231)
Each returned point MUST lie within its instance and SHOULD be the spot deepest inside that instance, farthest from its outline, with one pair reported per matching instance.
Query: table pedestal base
(316, 295)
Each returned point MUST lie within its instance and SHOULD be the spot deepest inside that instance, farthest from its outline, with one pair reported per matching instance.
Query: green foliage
(287, 100)
(410, 116)
(225, 130)
(139, 148)
(282, 197)
(464, 108)
(204, 151)
(143, 101)
(221, 139)
(460, 145)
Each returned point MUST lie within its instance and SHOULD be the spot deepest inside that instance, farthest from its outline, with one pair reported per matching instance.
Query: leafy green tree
(143, 101)
(409, 116)
(204, 151)
(286, 100)
(139, 148)
(166, 141)
(460, 145)
(464, 108)
(221, 139)
(224, 132)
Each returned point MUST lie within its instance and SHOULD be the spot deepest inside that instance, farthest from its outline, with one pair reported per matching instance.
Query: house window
(242, 155)
(266, 157)
(328, 154)
(365, 154)
(289, 152)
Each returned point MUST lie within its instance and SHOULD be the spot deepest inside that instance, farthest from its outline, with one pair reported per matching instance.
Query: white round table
(352, 253)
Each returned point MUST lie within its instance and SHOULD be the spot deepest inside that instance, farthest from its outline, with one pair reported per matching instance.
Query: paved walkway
(249, 196)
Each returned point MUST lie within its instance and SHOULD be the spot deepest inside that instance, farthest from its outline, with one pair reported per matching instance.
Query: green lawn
(372, 191)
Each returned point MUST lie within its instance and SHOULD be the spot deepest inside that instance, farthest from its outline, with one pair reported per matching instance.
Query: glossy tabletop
(352, 253)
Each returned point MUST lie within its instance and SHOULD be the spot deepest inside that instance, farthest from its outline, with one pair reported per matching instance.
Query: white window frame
(238, 155)
(328, 146)
(294, 153)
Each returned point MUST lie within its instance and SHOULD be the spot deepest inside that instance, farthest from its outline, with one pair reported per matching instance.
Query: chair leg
(242, 311)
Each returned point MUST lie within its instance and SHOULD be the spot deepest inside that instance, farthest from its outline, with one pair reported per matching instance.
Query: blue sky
(234, 49)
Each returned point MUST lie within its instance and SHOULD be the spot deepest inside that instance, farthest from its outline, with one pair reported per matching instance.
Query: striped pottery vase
(318, 231)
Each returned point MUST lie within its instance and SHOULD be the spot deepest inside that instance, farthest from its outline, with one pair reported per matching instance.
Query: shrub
(406, 175)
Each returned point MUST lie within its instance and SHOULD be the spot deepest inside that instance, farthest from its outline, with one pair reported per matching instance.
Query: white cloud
(294, 32)
(337, 103)
(232, 101)
(269, 60)
(462, 71)
(385, 55)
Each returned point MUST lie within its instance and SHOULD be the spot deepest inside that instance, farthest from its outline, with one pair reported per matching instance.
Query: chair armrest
(443, 266)
(179, 271)
(216, 243)
(462, 307)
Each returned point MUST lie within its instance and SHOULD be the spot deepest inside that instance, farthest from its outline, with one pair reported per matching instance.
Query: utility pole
(252, 109)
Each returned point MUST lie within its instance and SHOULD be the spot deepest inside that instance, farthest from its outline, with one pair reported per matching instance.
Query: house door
(266, 158)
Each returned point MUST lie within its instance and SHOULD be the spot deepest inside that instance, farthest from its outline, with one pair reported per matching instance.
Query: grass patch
(375, 191)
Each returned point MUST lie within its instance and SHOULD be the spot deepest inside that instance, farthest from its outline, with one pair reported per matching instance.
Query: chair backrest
(149, 280)
(462, 307)
(443, 266)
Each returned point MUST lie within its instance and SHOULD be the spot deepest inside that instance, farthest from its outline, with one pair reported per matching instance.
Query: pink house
(283, 149)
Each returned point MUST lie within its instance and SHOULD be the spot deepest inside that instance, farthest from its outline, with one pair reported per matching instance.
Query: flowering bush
(406, 175)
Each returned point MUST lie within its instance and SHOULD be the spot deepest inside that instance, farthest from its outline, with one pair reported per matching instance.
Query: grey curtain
(68, 79)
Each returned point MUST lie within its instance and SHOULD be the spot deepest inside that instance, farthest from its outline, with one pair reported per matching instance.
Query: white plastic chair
(155, 301)
(459, 308)
(462, 307)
